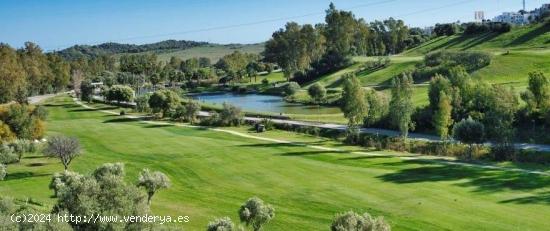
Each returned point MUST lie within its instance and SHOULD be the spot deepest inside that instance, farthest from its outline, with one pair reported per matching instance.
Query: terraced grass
(214, 172)
(520, 38)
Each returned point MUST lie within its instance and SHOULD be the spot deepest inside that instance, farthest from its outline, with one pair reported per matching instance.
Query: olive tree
(469, 131)
(64, 148)
(351, 221)
(152, 182)
(164, 101)
(255, 213)
(317, 92)
(105, 191)
(221, 224)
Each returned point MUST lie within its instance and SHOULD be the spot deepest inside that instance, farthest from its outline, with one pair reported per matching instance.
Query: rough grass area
(213, 172)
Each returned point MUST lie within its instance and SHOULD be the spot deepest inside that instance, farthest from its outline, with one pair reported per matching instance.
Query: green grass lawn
(213, 172)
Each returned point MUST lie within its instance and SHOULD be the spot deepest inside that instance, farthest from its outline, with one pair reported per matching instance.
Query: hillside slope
(519, 38)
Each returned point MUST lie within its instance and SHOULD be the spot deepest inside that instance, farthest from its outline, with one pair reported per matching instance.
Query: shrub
(317, 92)
(122, 112)
(3, 171)
(255, 213)
(469, 131)
(291, 88)
(142, 103)
(351, 221)
(265, 81)
(5, 133)
(220, 224)
(120, 93)
(230, 115)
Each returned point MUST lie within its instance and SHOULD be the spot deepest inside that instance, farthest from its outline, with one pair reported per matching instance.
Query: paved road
(39, 98)
(391, 133)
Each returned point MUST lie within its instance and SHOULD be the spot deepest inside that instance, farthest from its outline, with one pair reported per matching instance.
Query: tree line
(306, 51)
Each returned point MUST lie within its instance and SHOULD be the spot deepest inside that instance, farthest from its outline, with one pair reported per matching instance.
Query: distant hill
(165, 49)
(78, 51)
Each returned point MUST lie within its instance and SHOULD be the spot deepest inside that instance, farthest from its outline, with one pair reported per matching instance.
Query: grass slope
(214, 52)
(519, 38)
(214, 172)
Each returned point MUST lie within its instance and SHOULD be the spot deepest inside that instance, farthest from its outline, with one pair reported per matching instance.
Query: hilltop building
(522, 17)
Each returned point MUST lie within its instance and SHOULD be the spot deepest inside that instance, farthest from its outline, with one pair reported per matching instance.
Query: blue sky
(56, 24)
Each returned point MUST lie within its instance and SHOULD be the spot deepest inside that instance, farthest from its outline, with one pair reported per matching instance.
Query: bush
(122, 112)
(291, 88)
(265, 81)
(230, 115)
(351, 221)
(220, 224)
(142, 104)
(6, 134)
(3, 171)
(120, 93)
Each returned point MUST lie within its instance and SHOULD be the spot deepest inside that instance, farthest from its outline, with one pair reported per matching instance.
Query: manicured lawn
(213, 172)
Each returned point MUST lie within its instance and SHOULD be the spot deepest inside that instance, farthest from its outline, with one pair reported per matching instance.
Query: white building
(513, 18)
(522, 17)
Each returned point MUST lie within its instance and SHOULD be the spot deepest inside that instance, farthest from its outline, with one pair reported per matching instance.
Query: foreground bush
(351, 221)
(221, 224)
(255, 213)
(103, 192)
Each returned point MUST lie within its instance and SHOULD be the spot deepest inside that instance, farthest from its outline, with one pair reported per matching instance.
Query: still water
(264, 103)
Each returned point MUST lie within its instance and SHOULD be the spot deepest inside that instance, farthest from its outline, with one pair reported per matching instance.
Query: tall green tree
(443, 117)
(401, 105)
(12, 75)
(353, 102)
(294, 48)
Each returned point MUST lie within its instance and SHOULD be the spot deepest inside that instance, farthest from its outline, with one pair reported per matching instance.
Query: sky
(57, 24)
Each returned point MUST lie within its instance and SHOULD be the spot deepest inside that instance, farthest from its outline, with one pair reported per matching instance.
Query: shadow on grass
(307, 153)
(365, 158)
(22, 175)
(120, 120)
(158, 126)
(482, 180)
(530, 35)
(293, 144)
(539, 198)
(36, 164)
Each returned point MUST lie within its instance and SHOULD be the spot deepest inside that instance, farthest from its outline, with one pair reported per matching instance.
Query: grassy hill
(515, 54)
(214, 52)
(214, 172)
(532, 37)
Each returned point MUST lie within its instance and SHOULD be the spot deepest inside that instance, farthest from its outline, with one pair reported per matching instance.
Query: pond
(264, 104)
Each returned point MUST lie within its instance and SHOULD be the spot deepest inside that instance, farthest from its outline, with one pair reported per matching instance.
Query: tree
(537, 95)
(378, 107)
(86, 91)
(64, 148)
(221, 224)
(469, 131)
(401, 105)
(22, 122)
(105, 191)
(120, 93)
(353, 102)
(351, 221)
(77, 76)
(230, 115)
(295, 48)
(192, 109)
(13, 76)
(317, 92)
(442, 117)
(255, 213)
(142, 103)
(291, 88)
(438, 86)
(164, 100)
(152, 182)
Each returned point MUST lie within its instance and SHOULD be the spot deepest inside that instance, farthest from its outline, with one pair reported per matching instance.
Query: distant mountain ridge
(90, 51)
